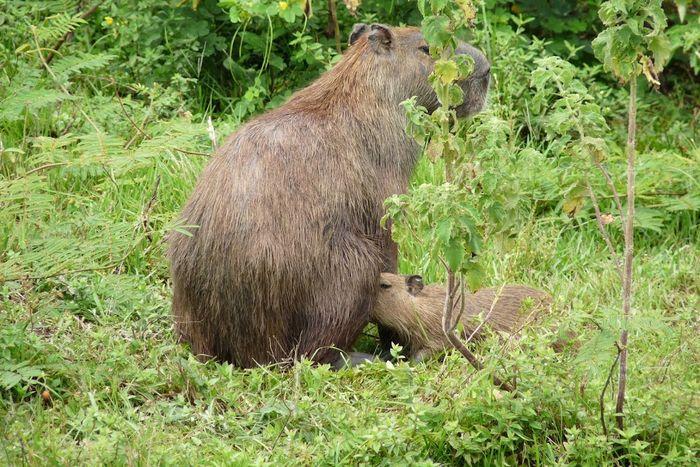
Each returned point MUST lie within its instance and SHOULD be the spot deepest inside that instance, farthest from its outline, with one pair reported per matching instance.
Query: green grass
(124, 392)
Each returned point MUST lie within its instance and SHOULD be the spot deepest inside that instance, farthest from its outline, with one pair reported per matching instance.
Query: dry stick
(126, 114)
(629, 252)
(488, 315)
(44, 167)
(192, 153)
(69, 34)
(147, 210)
(448, 329)
(462, 301)
(142, 131)
(333, 27)
(601, 399)
(603, 230)
(611, 185)
(627, 226)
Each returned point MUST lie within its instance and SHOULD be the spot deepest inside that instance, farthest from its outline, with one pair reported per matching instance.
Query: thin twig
(608, 179)
(603, 230)
(147, 211)
(44, 167)
(616, 195)
(63, 88)
(126, 114)
(488, 315)
(601, 399)
(333, 29)
(193, 153)
(448, 328)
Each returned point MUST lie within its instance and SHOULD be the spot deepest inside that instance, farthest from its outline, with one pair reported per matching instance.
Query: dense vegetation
(108, 112)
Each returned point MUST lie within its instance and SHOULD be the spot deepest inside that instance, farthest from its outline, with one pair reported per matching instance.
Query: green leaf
(234, 14)
(446, 71)
(475, 276)
(435, 30)
(444, 230)
(660, 46)
(454, 254)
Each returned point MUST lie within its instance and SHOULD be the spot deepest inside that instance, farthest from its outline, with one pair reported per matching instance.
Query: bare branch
(126, 114)
(488, 315)
(629, 253)
(603, 230)
(44, 167)
(192, 153)
(448, 328)
(616, 195)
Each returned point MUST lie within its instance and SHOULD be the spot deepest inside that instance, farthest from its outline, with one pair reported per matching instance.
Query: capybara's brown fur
(414, 312)
(286, 257)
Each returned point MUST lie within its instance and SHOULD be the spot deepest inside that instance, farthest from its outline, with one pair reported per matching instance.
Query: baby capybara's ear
(414, 284)
(357, 31)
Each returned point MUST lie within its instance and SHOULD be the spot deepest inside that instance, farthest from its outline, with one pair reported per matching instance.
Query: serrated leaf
(660, 46)
(443, 231)
(446, 71)
(454, 254)
(475, 276)
(435, 30)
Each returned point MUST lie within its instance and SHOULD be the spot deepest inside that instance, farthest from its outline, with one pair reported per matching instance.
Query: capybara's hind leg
(341, 315)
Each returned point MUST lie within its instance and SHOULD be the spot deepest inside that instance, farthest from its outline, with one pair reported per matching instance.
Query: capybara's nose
(482, 67)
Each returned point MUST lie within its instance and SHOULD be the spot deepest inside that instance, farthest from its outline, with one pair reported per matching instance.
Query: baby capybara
(414, 311)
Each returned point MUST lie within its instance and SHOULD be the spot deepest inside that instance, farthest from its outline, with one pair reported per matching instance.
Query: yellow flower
(109, 20)
(283, 5)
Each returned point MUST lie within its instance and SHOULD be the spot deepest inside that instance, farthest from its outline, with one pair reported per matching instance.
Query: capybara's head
(404, 63)
(399, 300)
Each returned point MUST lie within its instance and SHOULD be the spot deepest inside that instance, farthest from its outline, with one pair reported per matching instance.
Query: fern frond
(79, 63)
(57, 26)
(13, 107)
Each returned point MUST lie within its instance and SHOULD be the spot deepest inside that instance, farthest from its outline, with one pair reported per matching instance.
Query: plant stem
(448, 328)
(629, 252)
(333, 29)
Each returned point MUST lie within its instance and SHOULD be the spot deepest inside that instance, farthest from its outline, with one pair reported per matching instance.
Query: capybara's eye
(384, 285)
(425, 49)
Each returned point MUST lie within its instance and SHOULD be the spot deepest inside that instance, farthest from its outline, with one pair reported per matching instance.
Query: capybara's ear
(414, 284)
(380, 38)
(357, 31)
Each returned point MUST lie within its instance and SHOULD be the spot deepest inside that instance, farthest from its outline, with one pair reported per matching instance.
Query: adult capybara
(287, 253)
(414, 311)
